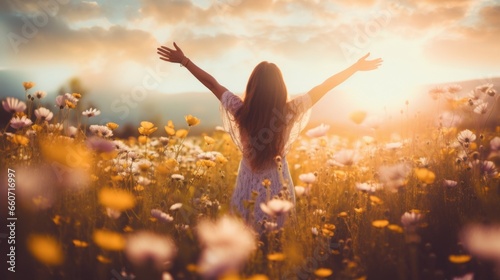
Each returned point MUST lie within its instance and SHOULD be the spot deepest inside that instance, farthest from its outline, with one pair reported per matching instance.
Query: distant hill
(160, 107)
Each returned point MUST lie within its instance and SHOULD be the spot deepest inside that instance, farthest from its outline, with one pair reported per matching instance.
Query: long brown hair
(259, 117)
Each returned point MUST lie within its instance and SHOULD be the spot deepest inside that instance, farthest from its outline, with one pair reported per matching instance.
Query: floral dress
(249, 186)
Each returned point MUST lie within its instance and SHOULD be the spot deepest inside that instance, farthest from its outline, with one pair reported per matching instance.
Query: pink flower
(318, 131)
(143, 247)
(13, 105)
(276, 207)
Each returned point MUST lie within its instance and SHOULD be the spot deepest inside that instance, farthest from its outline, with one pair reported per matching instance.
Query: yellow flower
(358, 117)
(109, 240)
(459, 258)
(395, 228)
(147, 128)
(70, 104)
(167, 166)
(19, 140)
(425, 175)
(36, 128)
(205, 163)
(128, 229)
(65, 152)
(142, 139)
(45, 249)
(209, 140)
(76, 95)
(103, 259)
(221, 159)
(266, 183)
(80, 244)
(342, 214)
(138, 188)
(170, 131)
(181, 133)
(323, 272)
(116, 199)
(375, 200)
(277, 257)
(112, 125)
(258, 277)
(192, 121)
(28, 85)
(380, 223)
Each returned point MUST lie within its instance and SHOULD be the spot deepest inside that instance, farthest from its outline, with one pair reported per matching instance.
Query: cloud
(470, 46)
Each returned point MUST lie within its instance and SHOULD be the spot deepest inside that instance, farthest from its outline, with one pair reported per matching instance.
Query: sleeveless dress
(249, 185)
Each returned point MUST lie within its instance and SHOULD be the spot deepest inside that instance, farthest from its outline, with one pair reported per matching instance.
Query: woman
(263, 125)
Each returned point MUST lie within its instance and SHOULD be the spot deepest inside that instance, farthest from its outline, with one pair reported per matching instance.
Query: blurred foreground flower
(146, 247)
(307, 178)
(482, 241)
(109, 240)
(358, 117)
(345, 158)
(116, 199)
(227, 244)
(318, 131)
(45, 249)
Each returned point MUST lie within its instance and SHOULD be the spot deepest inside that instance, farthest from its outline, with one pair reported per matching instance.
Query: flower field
(420, 204)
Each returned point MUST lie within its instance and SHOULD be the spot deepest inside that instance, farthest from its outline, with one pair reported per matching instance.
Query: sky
(111, 45)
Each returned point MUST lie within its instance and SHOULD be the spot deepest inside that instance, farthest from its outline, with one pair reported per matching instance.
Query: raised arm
(362, 64)
(177, 56)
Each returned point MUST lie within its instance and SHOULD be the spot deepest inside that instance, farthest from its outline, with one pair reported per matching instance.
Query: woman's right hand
(366, 65)
(170, 55)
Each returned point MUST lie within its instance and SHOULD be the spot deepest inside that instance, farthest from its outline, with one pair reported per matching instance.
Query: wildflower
(465, 137)
(482, 241)
(112, 213)
(266, 183)
(70, 104)
(112, 125)
(346, 158)
(144, 247)
(276, 207)
(28, 85)
(425, 175)
(323, 272)
(449, 183)
(13, 105)
(308, 178)
(80, 243)
(72, 131)
(147, 128)
(394, 177)
(19, 139)
(209, 140)
(300, 191)
(380, 223)
(358, 117)
(40, 94)
(467, 276)
(43, 114)
(162, 216)
(109, 240)
(192, 121)
(116, 199)
(169, 128)
(100, 145)
(393, 146)
(177, 177)
(318, 131)
(481, 109)
(368, 187)
(436, 92)
(276, 257)
(91, 112)
(454, 88)
(181, 133)
(101, 130)
(20, 122)
(45, 249)
(410, 219)
(76, 95)
(488, 169)
(176, 206)
(459, 258)
(71, 98)
(226, 244)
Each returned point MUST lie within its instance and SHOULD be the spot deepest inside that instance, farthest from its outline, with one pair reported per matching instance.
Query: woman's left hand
(365, 65)
(170, 55)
